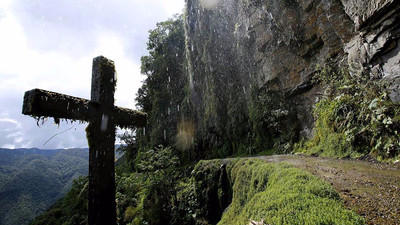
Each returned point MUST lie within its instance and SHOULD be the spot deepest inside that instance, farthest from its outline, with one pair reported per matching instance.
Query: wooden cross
(102, 116)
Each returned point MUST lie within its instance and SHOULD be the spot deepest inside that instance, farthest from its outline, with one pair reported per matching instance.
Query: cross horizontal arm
(128, 118)
(39, 103)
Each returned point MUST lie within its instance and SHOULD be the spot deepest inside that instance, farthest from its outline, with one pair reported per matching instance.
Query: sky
(50, 45)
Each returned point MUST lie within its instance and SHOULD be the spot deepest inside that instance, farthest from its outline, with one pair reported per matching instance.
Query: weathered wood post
(101, 138)
(102, 116)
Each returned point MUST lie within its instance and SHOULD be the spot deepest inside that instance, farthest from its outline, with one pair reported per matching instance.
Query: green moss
(281, 194)
(327, 142)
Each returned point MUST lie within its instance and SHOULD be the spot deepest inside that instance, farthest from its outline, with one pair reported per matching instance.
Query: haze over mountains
(31, 180)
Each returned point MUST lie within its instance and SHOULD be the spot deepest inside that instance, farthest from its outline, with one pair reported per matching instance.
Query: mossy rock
(212, 189)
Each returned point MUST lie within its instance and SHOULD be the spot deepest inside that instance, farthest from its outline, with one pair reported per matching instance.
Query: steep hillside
(33, 179)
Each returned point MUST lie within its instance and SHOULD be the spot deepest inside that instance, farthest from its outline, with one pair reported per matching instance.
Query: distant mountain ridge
(32, 179)
(10, 154)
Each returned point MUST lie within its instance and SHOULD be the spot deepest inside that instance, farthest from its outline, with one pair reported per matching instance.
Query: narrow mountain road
(371, 189)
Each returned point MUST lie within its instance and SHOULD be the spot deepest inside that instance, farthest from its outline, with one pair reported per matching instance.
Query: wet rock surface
(374, 51)
(239, 47)
(362, 12)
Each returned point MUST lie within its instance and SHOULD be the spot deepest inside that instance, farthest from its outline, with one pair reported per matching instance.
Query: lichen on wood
(42, 104)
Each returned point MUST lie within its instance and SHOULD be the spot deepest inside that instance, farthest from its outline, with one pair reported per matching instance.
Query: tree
(163, 92)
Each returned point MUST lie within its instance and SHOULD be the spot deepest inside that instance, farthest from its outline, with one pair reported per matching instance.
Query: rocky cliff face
(374, 50)
(251, 62)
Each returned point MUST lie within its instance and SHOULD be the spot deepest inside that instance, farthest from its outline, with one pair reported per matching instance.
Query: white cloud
(55, 25)
(172, 7)
(24, 68)
(10, 121)
(17, 136)
(50, 45)
(128, 72)
(11, 146)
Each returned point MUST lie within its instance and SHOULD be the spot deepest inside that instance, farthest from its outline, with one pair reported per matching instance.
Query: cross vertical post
(101, 139)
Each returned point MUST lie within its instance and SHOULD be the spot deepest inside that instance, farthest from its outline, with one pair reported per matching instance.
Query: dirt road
(371, 189)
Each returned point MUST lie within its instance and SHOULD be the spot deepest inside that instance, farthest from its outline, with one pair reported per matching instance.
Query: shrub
(355, 117)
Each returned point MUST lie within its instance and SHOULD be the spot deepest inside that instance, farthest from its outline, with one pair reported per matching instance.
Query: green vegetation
(153, 195)
(164, 91)
(355, 118)
(164, 193)
(281, 194)
(31, 180)
(149, 197)
(70, 210)
(274, 121)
